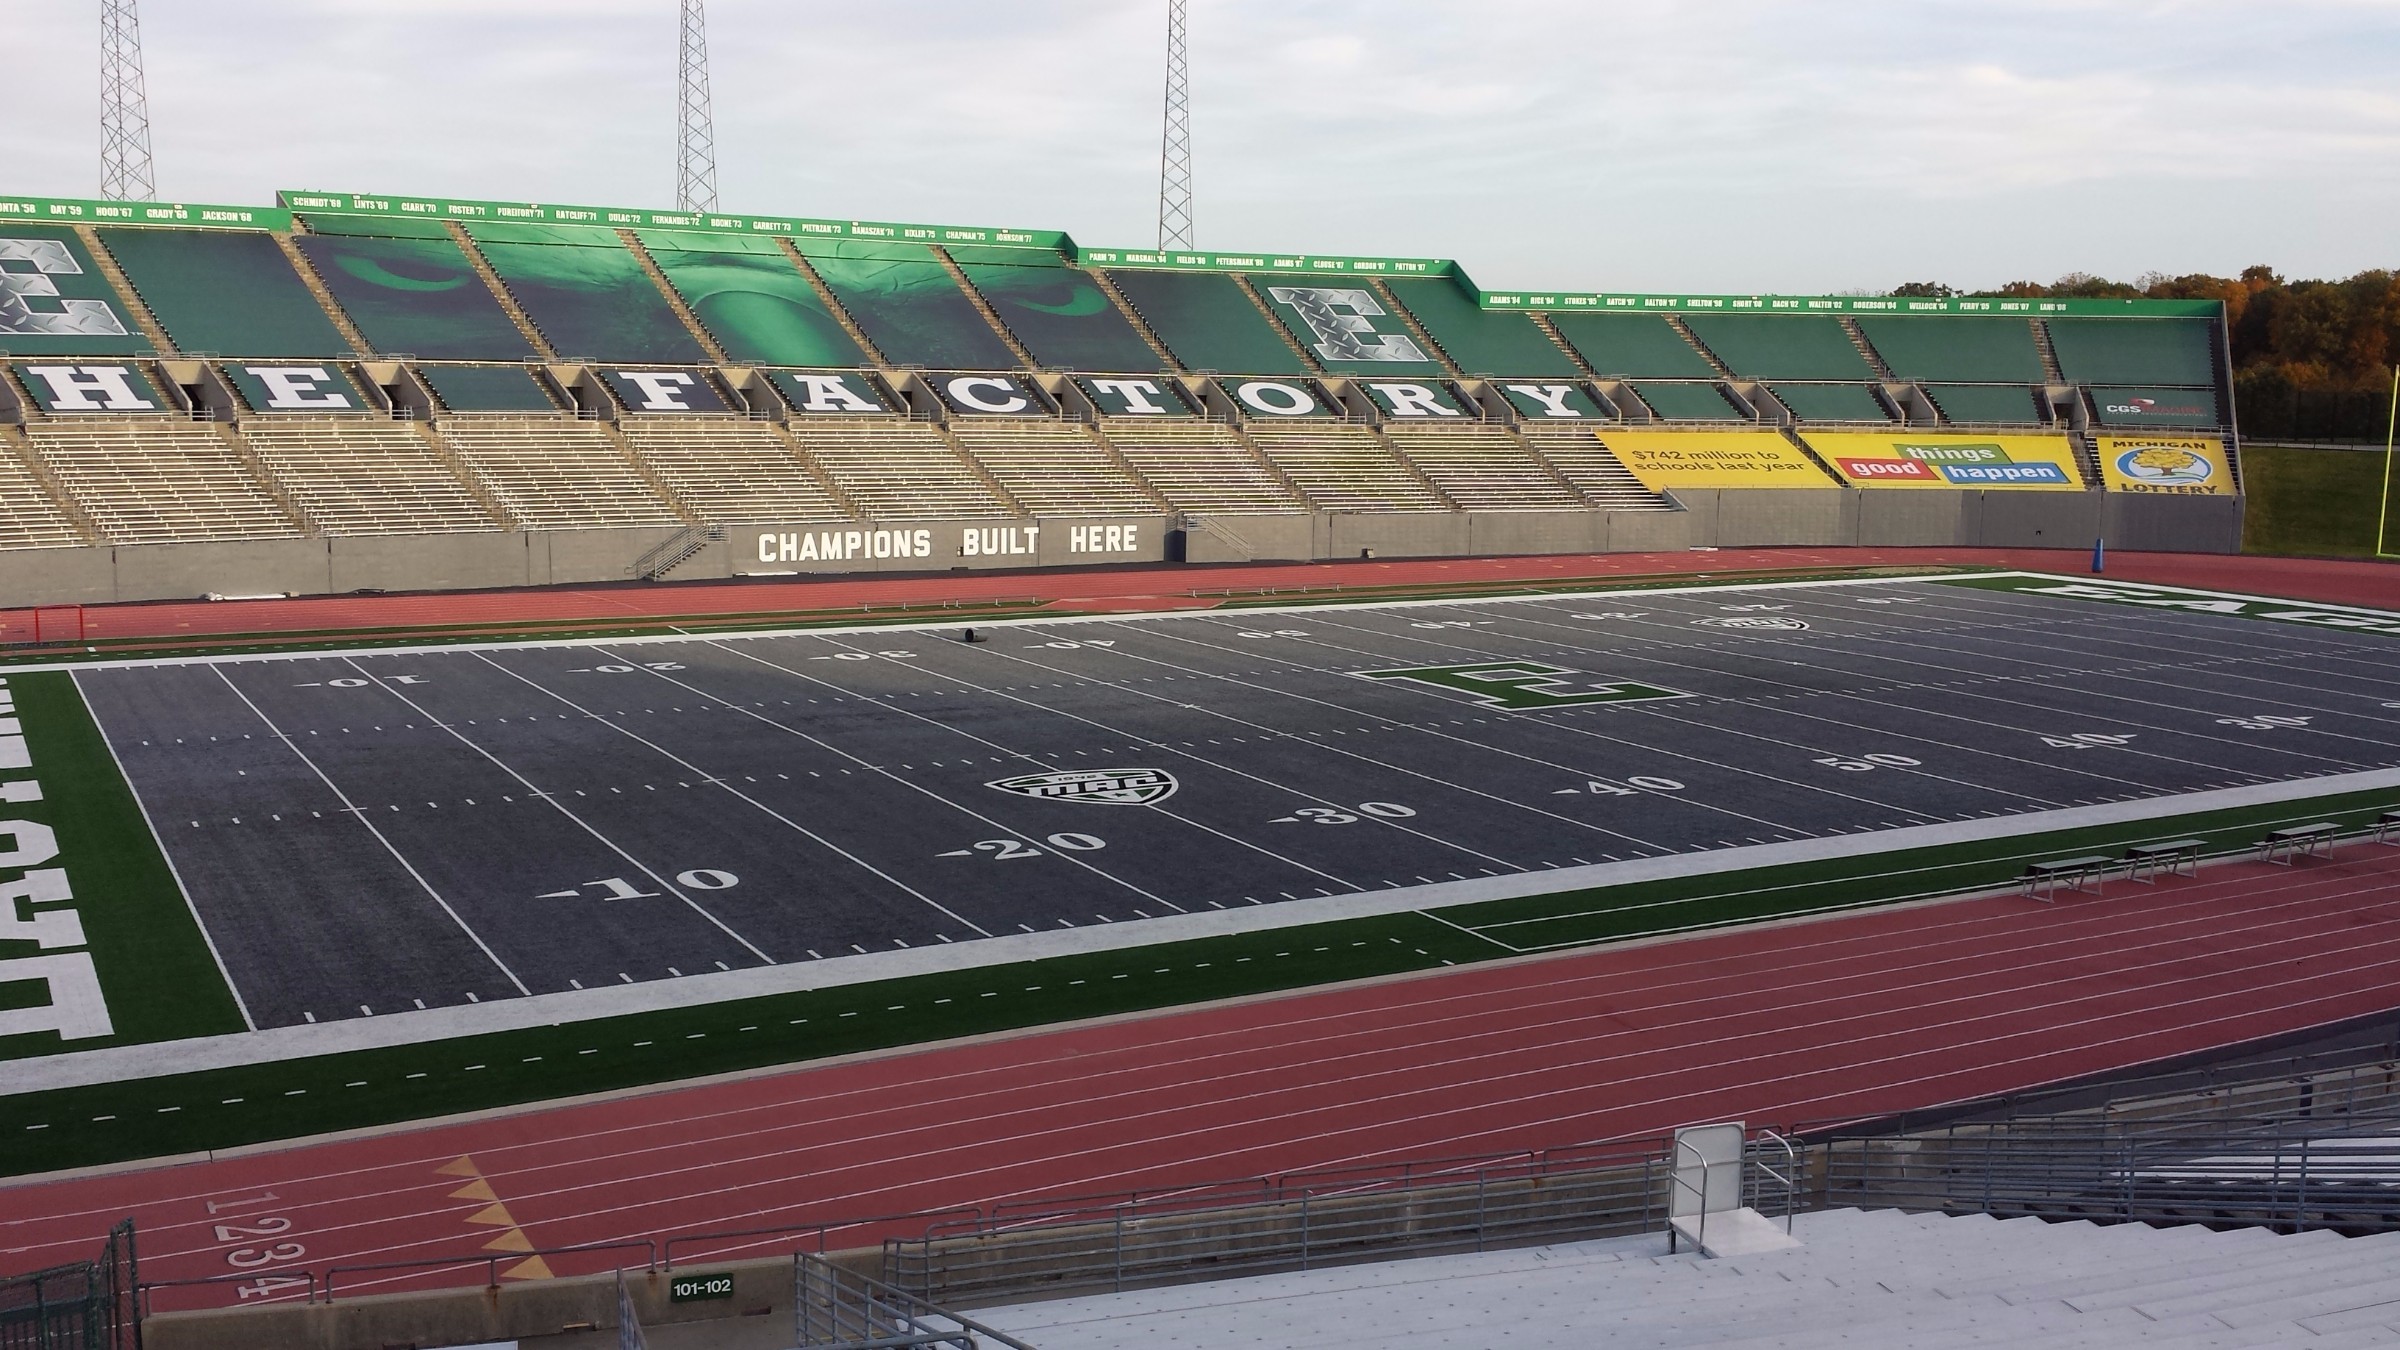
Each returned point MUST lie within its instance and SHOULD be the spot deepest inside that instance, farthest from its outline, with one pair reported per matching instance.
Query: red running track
(1840, 1018)
(2364, 583)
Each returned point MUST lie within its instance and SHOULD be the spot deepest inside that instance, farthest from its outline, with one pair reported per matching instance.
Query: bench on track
(2173, 857)
(2387, 828)
(2044, 879)
(2295, 842)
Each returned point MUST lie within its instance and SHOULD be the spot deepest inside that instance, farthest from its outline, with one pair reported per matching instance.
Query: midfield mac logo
(1108, 787)
(1524, 686)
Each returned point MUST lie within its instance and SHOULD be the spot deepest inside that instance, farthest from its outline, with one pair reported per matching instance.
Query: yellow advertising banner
(1713, 459)
(1935, 459)
(2183, 466)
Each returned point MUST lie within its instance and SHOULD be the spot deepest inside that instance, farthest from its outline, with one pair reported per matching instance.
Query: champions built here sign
(943, 545)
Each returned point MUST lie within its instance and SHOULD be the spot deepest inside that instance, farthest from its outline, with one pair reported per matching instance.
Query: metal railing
(1284, 1224)
(89, 1305)
(840, 1309)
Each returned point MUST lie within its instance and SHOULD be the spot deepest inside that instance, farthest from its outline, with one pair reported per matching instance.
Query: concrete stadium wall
(1722, 518)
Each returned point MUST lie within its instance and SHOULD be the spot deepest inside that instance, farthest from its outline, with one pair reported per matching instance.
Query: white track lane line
(1841, 973)
(561, 807)
(353, 810)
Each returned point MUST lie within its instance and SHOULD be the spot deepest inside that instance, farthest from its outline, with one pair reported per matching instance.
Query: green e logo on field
(1525, 686)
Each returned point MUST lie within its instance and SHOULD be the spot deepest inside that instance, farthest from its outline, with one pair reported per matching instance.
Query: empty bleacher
(1208, 323)
(728, 470)
(2005, 404)
(898, 472)
(1052, 469)
(1059, 313)
(1633, 346)
(1482, 467)
(908, 304)
(552, 474)
(227, 292)
(752, 300)
(1831, 402)
(419, 296)
(1678, 402)
(1199, 466)
(1956, 348)
(29, 517)
(2135, 351)
(158, 482)
(1480, 341)
(353, 476)
(587, 293)
(1781, 346)
(1579, 457)
(1343, 468)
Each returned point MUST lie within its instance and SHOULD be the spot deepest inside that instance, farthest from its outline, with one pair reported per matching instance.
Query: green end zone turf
(88, 853)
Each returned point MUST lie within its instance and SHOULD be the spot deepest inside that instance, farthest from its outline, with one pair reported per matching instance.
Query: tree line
(2312, 360)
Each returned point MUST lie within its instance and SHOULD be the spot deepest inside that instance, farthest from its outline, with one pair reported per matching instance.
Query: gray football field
(377, 832)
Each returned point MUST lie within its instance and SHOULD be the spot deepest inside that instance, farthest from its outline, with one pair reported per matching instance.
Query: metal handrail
(1676, 1178)
(492, 1262)
(1788, 1178)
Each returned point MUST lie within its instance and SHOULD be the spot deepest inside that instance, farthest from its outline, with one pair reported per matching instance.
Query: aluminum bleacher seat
(29, 516)
(726, 470)
(1966, 348)
(1344, 468)
(2002, 403)
(904, 471)
(1582, 460)
(350, 476)
(160, 481)
(1482, 467)
(552, 474)
(1053, 469)
(1199, 466)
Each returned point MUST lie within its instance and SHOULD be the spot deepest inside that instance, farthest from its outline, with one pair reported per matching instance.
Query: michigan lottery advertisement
(1933, 460)
(1713, 459)
(2184, 466)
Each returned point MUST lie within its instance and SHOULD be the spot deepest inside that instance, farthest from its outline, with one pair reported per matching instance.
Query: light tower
(695, 140)
(125, 173)
(1175, 145)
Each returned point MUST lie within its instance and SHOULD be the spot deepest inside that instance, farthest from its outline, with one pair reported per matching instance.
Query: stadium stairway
(154, 482)
(353, 476)
(2041, 343)
(907, 472)
(1201, 466)
(526, 328)
(1055, 468)
(730, 470)
(32, 513)
(1866, 349)
(1860, 1277)
(1482, 467)
(549, 474)
(1676, 322)
(1342, 467)
(1577, 456)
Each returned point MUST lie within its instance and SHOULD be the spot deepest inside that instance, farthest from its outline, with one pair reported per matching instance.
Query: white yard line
(121, 1063)
(355, 812)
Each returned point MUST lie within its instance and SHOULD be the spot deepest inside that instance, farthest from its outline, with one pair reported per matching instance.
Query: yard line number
(1006, 850)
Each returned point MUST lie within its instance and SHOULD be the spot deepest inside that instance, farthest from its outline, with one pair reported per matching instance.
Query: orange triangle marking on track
(494, 1215)
(478, 1189)
(514, 1240)
(463, 1167)
(531, 1268)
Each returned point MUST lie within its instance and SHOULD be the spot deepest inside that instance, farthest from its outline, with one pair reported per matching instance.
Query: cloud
(1738, 145)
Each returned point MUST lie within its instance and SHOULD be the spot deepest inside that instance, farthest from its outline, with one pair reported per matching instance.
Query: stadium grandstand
(631, 393)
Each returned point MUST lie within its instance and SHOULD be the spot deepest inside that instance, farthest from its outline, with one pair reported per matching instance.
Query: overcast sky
(1711, 145)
